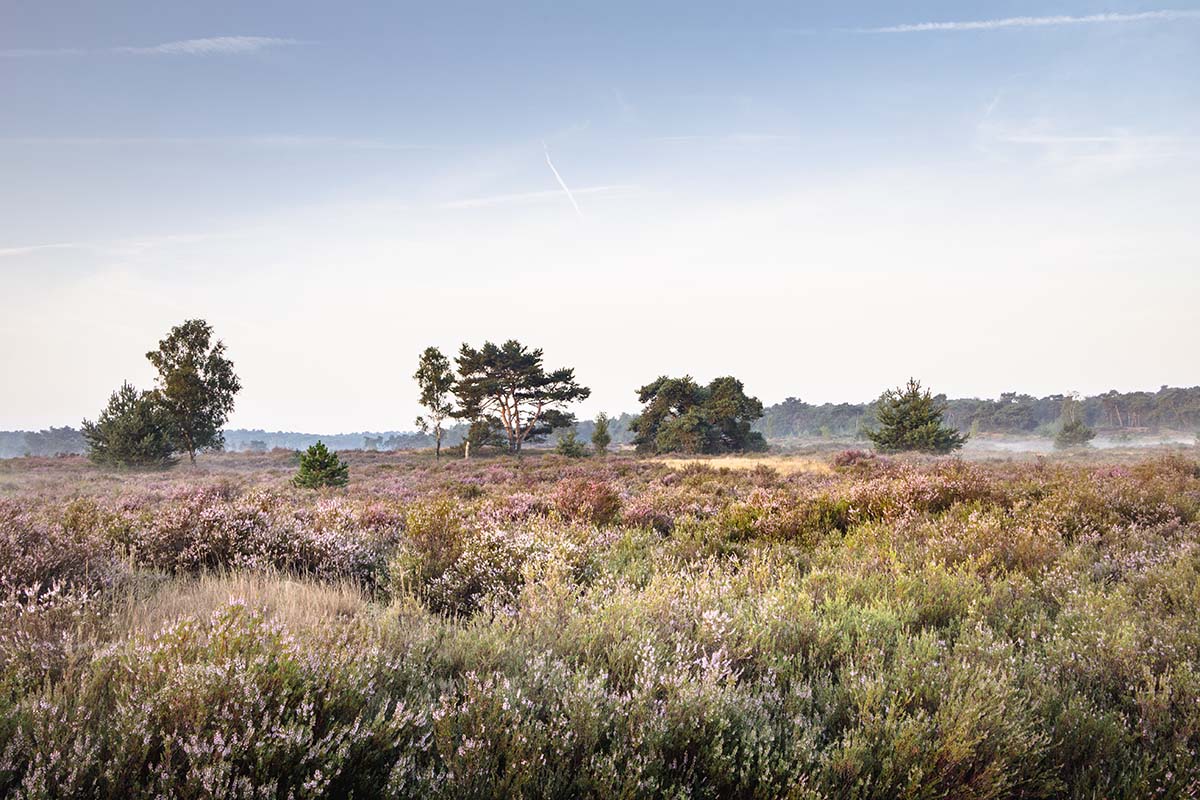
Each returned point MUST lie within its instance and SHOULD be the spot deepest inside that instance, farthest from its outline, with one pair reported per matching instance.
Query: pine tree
(1073, 431)
(509, 387)
(600, 435)
(133, 430)
(319, 467)
(910, 418)
(570, 446)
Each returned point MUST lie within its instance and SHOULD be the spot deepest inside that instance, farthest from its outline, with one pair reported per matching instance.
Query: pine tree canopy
(910, 419)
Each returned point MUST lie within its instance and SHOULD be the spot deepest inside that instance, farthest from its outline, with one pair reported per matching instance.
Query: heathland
(846, 625)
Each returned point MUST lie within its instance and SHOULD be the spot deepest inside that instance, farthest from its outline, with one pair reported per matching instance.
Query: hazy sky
(821, 199)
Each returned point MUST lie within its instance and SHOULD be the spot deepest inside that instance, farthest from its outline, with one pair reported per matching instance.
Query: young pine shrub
(570, 446)
(601, 437)
(133, 430)
(321, 467)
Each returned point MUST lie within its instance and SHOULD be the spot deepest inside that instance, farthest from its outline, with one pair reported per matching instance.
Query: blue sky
(821, 199)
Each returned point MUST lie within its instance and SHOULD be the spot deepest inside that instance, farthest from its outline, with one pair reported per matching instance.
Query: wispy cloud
(120, 247)
(1166, 15)
(211, 46)
(217, 45)
(523, 198)
(283, 141)
(12, 252)
(1087, 153)
(737, 139)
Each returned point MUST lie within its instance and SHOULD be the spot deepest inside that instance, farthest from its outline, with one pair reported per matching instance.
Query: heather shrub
(921, 630)
(583, 500)
(36, 549)
(42, 630)
(436, 531)
(854, 459)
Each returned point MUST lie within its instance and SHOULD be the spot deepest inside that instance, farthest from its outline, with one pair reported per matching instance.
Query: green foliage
(485, 432)
(196, 386)
(133, 430)
(680, 416)
(510, 386)
(570, 446)
(1073, 434)
(1073, 431)
(910, 418)
(320, 467)
(436, 381)
(600, 435)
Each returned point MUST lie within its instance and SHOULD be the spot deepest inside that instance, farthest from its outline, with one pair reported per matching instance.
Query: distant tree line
(49, 442)
(1011, 413)
(503, 397)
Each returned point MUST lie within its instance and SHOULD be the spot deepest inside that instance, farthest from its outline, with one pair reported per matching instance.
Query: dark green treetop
(680, 416)
(133, 430)
(910, 419)
(320, 467)
(1072, 431)
(509, 385)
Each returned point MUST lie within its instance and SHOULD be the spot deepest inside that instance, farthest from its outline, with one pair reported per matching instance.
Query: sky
(819, 198)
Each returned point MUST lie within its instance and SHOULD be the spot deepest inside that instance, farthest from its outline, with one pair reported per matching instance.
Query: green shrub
(321, 467)
(570, 446)
(1073, 433)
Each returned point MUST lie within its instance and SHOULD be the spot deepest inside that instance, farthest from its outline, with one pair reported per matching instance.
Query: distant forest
(69, 441)
(1012, 413)
(1131, 412)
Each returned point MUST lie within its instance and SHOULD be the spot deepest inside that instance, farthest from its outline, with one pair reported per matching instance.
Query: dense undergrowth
(614, 628)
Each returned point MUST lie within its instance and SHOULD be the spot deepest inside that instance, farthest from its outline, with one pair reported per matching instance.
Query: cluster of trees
(570, 446)
(184, 413)
(1012, 413)
(504, 396)
(681, 416)
(504, 393)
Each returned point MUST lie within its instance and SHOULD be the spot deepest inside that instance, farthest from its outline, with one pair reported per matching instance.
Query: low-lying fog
(1036, 444)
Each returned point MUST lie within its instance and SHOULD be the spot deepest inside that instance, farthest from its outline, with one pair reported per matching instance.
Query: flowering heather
(547, 627)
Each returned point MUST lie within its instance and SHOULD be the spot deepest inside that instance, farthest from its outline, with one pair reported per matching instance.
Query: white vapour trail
(561, 182)
(215, 45)
(1167, 15)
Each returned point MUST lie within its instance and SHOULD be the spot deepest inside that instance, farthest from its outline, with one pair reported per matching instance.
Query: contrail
(1169, 15)
(561, 182)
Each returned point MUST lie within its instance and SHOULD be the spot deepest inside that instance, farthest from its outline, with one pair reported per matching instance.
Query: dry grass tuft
(784, 465)
(297, 603)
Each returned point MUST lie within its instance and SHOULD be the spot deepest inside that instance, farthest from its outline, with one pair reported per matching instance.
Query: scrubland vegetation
(553, 627)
